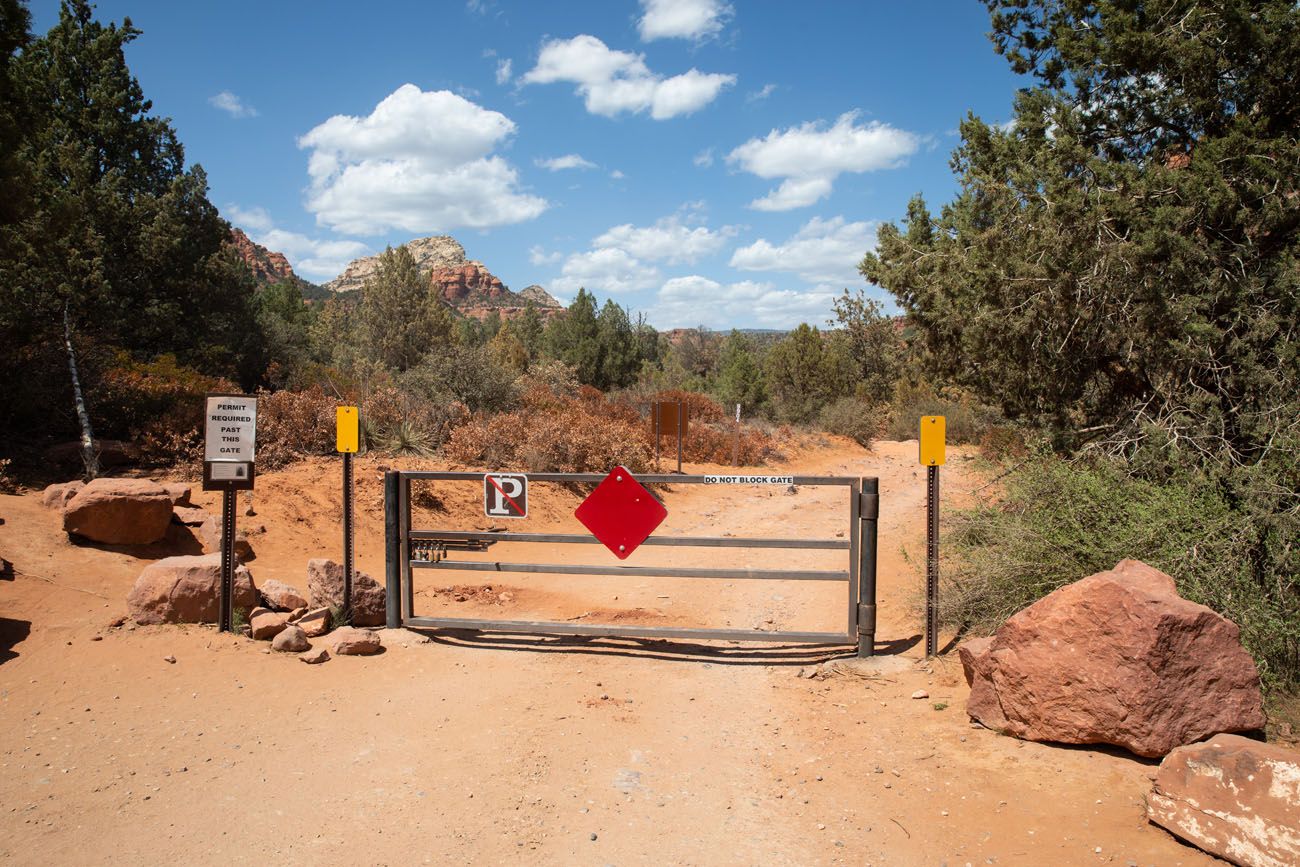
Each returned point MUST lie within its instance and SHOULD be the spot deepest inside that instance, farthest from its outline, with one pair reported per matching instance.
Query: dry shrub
(710, 432)
(551, 433)
(157, 405)
(292, 425)
(400, 421)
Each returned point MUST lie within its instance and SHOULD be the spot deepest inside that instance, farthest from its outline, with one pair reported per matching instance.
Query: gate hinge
(869, 506)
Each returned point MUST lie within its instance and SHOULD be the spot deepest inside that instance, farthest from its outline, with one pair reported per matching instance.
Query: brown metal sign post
(229, 446)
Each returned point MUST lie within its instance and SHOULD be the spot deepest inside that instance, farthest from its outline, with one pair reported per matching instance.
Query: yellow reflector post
(933, 431)
(349, 429)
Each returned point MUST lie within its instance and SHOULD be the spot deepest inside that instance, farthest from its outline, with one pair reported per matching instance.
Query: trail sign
(229, 442)
(933, 431)
(347, 429)
(505, 495)
(620, 513)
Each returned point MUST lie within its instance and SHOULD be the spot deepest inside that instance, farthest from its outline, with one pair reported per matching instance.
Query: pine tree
(574, 338)
(401, 318)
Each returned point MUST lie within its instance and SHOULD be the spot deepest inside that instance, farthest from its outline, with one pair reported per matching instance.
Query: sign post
(347, 439)
(669, 416)
(229, 448)
(933, 431)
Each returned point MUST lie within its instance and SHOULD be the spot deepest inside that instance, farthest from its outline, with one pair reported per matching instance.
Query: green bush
(852, 418)
(966, 420)
(1060, 521)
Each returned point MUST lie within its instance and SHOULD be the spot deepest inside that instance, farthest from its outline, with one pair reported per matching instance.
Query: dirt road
(496, 749)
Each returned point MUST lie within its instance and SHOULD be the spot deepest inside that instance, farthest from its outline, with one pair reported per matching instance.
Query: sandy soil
(492, 748)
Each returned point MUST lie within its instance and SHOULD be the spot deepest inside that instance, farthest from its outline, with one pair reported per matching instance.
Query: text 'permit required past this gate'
(409, 548)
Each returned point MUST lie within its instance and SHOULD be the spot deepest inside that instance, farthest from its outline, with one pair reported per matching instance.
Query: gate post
(868, 513)
(392, 550)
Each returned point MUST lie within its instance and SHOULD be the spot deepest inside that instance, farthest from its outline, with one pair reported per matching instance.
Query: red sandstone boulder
(209, 535)
(325, 589)
(1116, 658)
(281, 596)
(119, 512)
(350, 641)
(57, 496)
(179, 492)
(290, 640)
(265, 625)
(1233, 797)
(185, 590)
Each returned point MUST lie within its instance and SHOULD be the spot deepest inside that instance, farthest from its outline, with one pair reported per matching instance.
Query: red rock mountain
(267, 266)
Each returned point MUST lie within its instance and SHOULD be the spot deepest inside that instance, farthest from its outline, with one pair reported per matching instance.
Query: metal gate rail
(404, 547)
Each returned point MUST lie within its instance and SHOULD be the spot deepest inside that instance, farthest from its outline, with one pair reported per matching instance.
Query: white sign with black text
(749, 480)
(230, 429)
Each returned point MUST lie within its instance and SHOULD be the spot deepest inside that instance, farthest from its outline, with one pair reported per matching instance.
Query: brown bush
(294, 424)
(158, 405)
(710, 432)
(553, 434)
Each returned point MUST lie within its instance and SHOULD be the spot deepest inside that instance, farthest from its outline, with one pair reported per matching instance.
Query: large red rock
(209, 535)
(281, 597)
(325, 590)
(1116, 658)
(119, 512)
(186, 590)
(57, 496)
(1233, 797)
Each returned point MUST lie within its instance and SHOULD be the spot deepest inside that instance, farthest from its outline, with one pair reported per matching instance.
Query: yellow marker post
(934, 430)
(347, 439)
(348, 436)
(932, 456)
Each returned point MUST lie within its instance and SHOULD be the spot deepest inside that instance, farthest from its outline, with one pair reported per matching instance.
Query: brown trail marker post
(669, 415)
(347, 439)
(229, 447)
(933, 432)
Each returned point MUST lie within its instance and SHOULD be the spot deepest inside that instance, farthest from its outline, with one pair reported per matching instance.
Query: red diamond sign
(620, 513)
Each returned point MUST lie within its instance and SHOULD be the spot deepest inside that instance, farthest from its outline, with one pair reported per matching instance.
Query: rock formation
(267, 266)
(440, 251)
(119, 512)
(185, 590)
(1115, 658)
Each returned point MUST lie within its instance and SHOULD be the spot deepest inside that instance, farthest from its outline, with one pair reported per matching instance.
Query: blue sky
(703, 162)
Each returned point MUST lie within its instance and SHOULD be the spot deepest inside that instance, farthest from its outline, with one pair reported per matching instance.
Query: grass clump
(1062, 520)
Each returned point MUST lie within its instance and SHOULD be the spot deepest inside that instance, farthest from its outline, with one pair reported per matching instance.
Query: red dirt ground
(491, 748)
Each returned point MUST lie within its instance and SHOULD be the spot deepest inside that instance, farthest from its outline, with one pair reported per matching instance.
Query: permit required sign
(229, 442)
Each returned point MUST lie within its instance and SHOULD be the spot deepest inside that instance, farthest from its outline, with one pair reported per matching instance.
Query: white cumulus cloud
(811, 156)
(568, 161)
(683, 19)
(252, 219)
(421, 162)
(231, 105)
(684, 302)
(608, 270)
(668, 240)
(612, 82)
(822, 250)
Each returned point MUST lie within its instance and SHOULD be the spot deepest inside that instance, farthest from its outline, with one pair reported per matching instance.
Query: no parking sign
(505, 495)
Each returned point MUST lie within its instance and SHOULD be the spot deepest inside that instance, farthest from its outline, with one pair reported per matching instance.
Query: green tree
(804, 372)
(105, 221)
(574, 338)
(401, 318)
(530, 331)
(874, 343)
(740, 375)
(619, 360)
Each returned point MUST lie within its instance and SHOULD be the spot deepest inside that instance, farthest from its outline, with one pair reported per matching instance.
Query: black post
(392, 550)
(225, 619)
(868, 516)
(349, 531)
(681, 409)
(932, 561)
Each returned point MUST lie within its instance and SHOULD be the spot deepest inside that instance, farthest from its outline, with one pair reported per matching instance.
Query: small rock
(268, 624)
(297, 614)
(290, 640)
(593, 837)
(351, 641)
(314, 623)
(96, 638)
(316, 656)
(920, 693)
(281, 596)
(170, 659)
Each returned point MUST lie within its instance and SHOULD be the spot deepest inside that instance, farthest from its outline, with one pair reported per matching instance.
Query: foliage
(294, 424)
(1060, 521)
(853, 418)
(466, 374)
(606, 349)
(401, 317)
(965, 420)
(740, 374)
(396, 419)
(807, 370)
(875, 345)
(552, 433)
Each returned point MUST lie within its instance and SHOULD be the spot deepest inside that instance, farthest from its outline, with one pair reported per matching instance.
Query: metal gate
(408, 548)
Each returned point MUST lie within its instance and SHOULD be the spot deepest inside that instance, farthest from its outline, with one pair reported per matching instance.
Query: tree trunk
(88, 456)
